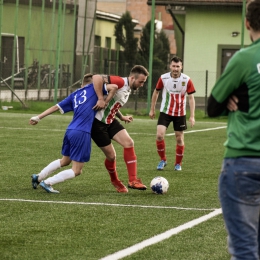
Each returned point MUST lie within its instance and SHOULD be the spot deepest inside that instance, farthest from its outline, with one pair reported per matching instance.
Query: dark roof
(197, 2)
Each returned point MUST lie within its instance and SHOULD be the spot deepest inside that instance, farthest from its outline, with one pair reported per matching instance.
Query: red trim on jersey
(113, 112)
(171, 104)
(159, 85)
(178, 104)
(190, 87)
(117, 80)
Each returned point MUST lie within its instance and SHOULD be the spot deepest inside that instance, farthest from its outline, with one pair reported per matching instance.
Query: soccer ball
(159, 185)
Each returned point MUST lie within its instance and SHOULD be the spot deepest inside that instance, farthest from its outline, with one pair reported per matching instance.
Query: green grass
(42, 226)
(36, 107)
(31, 106)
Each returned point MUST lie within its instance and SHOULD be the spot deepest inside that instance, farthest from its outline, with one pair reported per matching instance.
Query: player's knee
(64, 162)
(159, 137)
(129, 143)
(111, 157)
(77, 173)
(180, 141)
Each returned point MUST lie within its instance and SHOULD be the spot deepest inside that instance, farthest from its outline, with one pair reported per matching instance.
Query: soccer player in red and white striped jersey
(106, 127)
(174, 86)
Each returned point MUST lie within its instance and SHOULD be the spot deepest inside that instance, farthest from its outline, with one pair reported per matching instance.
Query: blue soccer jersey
(81, 103)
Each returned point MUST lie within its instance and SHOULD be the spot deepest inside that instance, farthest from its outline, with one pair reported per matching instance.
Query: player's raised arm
(112, 89)
(98, 86)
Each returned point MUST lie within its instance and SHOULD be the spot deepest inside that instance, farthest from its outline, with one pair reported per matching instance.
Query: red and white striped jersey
(174, 93)
(108, 114)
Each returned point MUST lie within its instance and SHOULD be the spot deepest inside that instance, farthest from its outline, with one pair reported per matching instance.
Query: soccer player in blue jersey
(76, 147)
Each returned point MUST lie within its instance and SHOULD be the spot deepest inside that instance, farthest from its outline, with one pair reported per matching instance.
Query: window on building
(97, 40)
(108, 43)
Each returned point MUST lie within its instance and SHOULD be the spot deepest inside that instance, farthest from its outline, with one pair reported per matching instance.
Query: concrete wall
(33, 94)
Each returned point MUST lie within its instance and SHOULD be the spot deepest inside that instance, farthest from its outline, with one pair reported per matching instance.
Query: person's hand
(152, 114)
(127, 119)
(100, 104)
(34, 120)
(232, 103)
(192, 121)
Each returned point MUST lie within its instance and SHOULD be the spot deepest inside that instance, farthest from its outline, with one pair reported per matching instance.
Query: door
(226, 56)
(7, 55)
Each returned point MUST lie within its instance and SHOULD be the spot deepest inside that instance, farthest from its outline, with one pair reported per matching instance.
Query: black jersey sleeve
(215, 108)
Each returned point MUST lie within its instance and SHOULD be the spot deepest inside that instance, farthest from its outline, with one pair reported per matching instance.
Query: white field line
(69, 117)
(201, 130)
(188, 132)
(33, 129)
(104, 204)
(156, 239)
(208, 122)
(62, 130)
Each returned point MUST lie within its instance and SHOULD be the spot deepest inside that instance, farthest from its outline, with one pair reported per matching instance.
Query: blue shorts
(77, 145)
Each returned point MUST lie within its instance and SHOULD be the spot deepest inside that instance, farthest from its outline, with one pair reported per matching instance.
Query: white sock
(49, 169)
(60, 177)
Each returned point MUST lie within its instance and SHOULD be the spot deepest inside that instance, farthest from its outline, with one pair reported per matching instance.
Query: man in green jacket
(237, 93)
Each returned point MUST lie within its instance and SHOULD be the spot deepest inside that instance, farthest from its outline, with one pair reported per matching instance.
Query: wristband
(35, 118)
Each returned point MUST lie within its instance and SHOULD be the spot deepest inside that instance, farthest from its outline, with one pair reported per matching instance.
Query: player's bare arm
(35, 119)
(153, 103)
(126, 119)
(112, 89)
(105, 78)
(192, 110)
(98, 85)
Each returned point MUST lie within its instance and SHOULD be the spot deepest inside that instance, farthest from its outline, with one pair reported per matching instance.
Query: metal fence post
(58, 51)
(206, 92)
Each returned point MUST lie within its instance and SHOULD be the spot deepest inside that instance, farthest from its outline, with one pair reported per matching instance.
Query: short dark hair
(139, 69)
(176, 59)
(253, 14)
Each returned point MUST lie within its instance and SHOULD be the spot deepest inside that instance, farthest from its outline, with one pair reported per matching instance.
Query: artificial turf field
(89, 219)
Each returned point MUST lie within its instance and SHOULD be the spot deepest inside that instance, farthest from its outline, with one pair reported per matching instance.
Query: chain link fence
(38, 55)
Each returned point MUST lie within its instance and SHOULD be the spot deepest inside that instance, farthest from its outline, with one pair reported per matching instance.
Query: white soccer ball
(159, 185)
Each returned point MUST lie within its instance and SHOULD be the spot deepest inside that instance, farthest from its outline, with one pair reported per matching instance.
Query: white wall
(32, 94)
